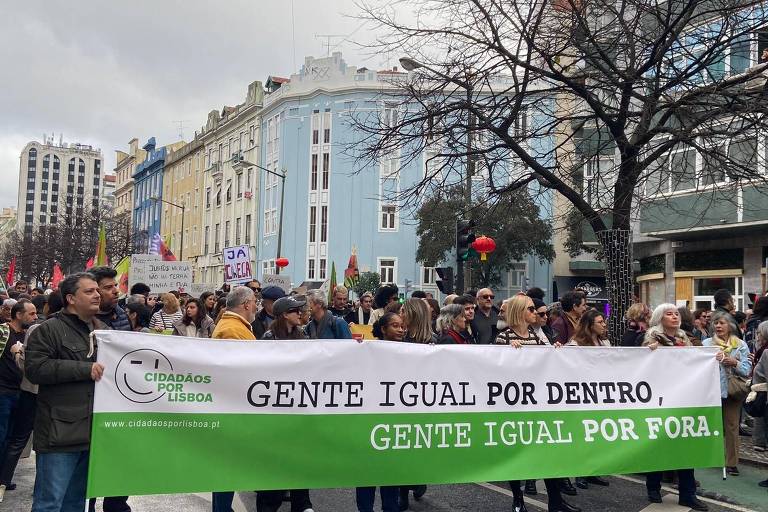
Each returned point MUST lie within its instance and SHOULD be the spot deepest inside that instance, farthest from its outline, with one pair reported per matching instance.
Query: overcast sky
(102, 73)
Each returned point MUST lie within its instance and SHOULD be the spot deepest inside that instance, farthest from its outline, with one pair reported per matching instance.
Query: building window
(323, 223)
(327, 126)
(248, 229)
(517, 277)
(229, 191)
(239, 186)
(313, 182)
(218, 196)
(326, 170)
(428, 276)
(315, 127)
(267, 267)
(208, 198)
(216, 247)
(323, 268)
(96, 167)
(387, 270)
(227, 225)
(312, 223)
(237, 231)
(206, 238)
(311, 269)
(388, 214)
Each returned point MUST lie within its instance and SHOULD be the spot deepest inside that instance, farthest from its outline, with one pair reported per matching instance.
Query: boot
(519, 506)
(598, 481)
(694, 503)
(581, 482)
(419, 491)
(530, 488)
(563, 507)
(566, 487)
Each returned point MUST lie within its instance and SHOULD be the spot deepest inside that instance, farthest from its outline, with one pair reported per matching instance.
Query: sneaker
(654, 496)
(733, 471)
(308, 510)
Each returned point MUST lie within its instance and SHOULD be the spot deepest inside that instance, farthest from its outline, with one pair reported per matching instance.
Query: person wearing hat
(265, 317)
(287, 322)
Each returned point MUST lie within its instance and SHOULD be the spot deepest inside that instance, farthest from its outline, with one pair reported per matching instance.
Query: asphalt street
(625, 494)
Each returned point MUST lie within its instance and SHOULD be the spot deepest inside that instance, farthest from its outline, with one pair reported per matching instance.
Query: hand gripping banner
(183, 415)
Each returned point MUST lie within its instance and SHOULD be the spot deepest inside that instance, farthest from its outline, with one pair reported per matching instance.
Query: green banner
(281, 415)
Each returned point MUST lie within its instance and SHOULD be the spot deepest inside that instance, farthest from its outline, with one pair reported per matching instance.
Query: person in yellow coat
(235, 323)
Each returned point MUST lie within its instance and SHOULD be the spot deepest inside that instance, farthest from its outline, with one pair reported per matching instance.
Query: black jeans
(555, 499)
(270, 501)
(18, 435)
(685, 480)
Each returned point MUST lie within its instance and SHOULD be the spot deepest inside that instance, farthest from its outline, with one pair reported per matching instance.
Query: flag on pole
(58, 276)
(332, 283)
(101, 249)
(89, 264)
(123, 268)
(352, 274)
(11, 272)
(160, 246)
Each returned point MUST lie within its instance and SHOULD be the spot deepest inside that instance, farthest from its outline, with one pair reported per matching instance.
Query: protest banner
(366, 331)
(237, 264)
(160, 276)
(280, 280)
(344, 414)
(197, 289)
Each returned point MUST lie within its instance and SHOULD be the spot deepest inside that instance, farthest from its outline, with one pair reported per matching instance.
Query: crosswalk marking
(507, 492)
(672, 490)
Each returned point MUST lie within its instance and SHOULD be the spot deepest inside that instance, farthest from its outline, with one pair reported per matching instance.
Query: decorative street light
(238, 162)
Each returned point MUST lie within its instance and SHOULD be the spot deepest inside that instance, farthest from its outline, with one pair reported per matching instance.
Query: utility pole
(468, 185)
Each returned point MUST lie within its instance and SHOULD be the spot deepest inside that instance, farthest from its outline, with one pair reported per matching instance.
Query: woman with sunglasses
(520, 315)
(285, 326)
(287, 322)
(541, 327)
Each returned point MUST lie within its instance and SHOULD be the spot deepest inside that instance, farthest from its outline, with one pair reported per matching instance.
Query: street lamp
(238, 162)
(181, 246)
(410, 64)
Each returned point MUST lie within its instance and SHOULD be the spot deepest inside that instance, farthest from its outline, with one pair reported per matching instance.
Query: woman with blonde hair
(520, 316)
(164, 319)
(418, 322)
(637, 317)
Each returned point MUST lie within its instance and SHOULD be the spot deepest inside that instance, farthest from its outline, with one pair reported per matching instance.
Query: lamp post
(238, 162)
(183, 208)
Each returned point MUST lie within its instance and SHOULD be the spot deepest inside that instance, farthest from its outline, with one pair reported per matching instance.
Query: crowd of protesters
(48, 365)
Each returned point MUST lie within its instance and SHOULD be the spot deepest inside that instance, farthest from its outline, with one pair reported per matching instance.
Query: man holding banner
(61, 358)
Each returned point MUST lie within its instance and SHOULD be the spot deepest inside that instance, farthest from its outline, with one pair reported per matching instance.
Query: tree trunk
(617, 249)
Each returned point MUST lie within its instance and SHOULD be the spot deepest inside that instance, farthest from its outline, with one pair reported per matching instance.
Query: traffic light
(445, 283)
(464, 238)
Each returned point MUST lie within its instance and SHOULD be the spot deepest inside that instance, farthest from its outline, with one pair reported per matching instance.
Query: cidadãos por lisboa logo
(147, 375)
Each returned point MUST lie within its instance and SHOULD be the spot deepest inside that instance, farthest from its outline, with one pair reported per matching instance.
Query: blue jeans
(60, 482)
(366, 496)
(222, 501)
(8, 403)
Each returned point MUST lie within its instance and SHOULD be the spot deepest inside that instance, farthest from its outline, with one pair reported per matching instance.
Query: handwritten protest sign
(237, 264)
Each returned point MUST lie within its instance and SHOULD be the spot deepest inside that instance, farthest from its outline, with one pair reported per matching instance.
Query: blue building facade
(148, 183)
(331, 203)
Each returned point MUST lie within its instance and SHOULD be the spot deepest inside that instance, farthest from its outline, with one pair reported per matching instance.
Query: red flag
(11, 273)
(89, 263)
(58, 276)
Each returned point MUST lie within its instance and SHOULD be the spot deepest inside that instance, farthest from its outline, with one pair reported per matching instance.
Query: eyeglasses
(255, 290)
(488, 297)
(542, 314)
(532, 309)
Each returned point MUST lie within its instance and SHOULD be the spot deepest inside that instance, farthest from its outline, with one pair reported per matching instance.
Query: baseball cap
(272, 292)
(284, 304)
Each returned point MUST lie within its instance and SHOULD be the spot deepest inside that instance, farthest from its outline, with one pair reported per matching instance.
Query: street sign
(237, 264)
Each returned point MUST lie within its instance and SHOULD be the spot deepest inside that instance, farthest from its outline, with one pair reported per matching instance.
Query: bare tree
(605, 102)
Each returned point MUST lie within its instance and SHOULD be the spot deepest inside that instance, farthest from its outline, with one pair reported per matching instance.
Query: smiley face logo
(131, 371)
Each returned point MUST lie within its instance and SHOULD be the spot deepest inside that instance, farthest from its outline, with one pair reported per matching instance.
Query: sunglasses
(542, 314)
(488, 297)
(532, 309)
(256, 290)
(293, 311)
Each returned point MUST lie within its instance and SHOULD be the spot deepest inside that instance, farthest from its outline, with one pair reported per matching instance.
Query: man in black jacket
(60, 357)
(268, 297)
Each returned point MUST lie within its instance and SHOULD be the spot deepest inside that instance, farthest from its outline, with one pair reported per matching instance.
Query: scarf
(726, 347)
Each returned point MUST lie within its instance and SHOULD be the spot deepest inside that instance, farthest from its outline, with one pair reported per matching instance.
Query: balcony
(217, 172)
